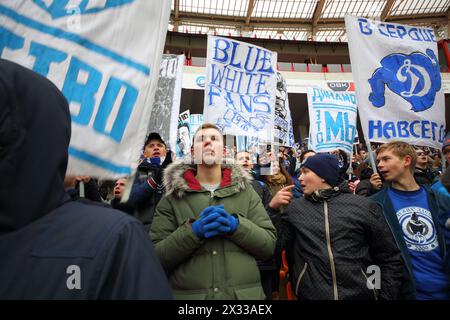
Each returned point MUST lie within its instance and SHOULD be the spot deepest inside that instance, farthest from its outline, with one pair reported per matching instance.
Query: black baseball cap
(154, 136)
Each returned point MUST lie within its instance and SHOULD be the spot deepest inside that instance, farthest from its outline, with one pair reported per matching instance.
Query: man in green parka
(211, 225)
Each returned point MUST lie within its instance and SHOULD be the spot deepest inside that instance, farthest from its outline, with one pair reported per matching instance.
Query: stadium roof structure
(316, 20)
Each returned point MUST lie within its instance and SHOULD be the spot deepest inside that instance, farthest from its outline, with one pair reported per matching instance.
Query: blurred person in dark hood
(52, 247)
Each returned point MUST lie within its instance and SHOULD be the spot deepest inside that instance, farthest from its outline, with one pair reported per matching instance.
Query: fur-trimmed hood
(179, 177)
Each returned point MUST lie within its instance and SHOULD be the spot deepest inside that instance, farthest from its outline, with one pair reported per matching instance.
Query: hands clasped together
(213, 221)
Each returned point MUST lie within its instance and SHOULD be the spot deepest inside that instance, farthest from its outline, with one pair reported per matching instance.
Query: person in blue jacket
(52, 247)
(412, 213)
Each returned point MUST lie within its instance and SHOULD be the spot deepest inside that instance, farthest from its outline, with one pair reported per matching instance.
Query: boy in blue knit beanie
(332, 237)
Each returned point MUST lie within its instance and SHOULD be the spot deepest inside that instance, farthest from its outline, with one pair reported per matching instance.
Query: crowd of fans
(277, 180)
(221, 224)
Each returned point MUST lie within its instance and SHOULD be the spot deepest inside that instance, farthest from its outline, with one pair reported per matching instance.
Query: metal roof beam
(251, 5)
(177, 9)
(316, 17)
(295, 23)
(387, 9)
(176, 19)
(317, 12)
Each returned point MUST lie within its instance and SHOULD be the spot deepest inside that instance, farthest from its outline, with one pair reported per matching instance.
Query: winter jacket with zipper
(222, 267)
(333, 238)
(408, 286)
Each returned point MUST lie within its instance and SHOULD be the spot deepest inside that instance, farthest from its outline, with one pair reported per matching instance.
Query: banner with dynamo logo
(397, 80)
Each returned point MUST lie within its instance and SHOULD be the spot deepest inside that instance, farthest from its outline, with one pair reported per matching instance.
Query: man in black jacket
(147, 187)
(338, 240)
(423, 174)
(52, 247)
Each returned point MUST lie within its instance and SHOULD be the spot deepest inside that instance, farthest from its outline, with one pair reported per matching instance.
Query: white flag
(105, 58)
(332, 120)
(398, 82)
(166, 105)
(240, 88)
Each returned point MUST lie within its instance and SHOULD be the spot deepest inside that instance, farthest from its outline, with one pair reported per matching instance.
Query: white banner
(398, 82)
(105, 57)
(187, 126)
(240, 88)
(195, 121)
(291, 132)
(166, 106)
(283, 132)
(332, 120)
(183, 147)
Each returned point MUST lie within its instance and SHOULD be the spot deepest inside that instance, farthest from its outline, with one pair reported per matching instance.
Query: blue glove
(228, 222)
(216, 227)
(208, 210)
(208, 226)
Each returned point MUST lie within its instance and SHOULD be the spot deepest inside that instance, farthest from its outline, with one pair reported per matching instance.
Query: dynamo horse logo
(415, 77)
(63, 8)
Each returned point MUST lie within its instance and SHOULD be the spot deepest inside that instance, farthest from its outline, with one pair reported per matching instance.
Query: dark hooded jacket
(52, 247)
